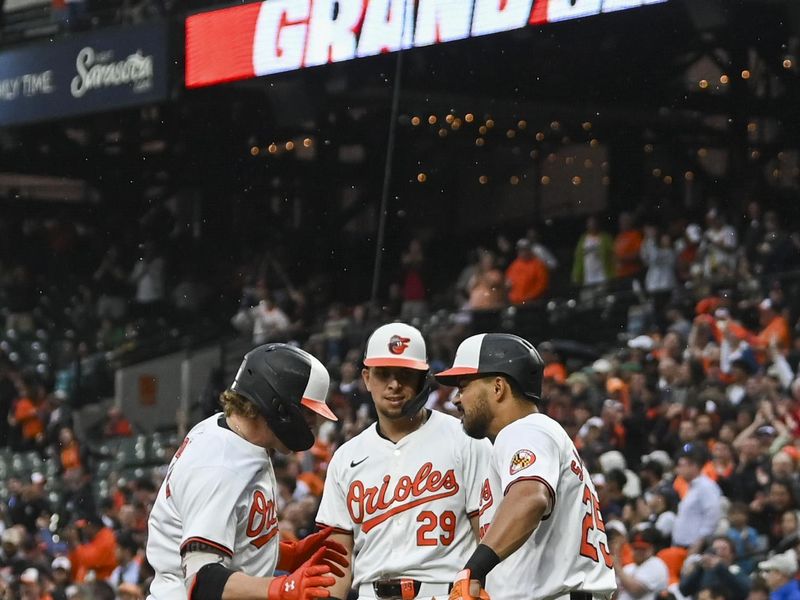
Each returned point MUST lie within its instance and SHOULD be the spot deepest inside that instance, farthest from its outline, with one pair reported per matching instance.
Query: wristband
(483, 560)
(209, 582)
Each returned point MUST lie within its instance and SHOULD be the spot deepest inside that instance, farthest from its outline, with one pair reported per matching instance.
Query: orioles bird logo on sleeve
(522, 459)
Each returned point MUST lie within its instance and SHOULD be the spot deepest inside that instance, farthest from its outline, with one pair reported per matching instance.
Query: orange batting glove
(465, 588)
(310, 581)
(294, 554)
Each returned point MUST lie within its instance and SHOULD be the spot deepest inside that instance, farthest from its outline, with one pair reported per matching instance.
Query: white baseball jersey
(220, 490)
(407, 505)
(568, 550)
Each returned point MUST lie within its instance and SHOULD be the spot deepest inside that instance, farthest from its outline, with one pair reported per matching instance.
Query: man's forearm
(517, 518)
(244, 587)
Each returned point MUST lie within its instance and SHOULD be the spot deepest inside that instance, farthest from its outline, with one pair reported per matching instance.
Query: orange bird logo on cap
(397, 344)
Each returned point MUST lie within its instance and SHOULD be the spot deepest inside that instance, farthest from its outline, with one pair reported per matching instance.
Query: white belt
(365, 590)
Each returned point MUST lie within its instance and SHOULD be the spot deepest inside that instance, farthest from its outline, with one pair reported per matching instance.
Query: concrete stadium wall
(151, 393)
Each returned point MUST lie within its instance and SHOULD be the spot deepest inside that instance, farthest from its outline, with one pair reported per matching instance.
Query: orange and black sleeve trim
(546, 484)
(335, 529)
(201, 540)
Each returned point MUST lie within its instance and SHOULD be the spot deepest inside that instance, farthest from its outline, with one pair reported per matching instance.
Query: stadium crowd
(689, 422)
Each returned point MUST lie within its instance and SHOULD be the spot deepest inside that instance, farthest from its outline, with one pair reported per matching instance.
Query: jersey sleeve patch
(521, 460)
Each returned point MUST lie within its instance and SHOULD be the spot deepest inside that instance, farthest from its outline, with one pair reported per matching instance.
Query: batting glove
(311, 580)
(461, 587)
(294, 554)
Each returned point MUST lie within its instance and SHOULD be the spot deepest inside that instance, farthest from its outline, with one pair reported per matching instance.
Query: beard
(476, 421)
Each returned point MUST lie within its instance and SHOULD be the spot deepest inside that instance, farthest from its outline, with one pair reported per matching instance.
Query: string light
(489, 123)
(703, 84)
(555, 125)
(594, 143)
(569, 160)
(576, 181)
(273, 148)
(307, 142)
(588, 164)
(449, 118)
(724, 80)
(432, 120)
(255, 151)
(745, 74)
(514, 180)
(469, 117)
(480, 142)
(289, 146)
(534, 154)
(787, 63)
(415, 121)
(482, 130)
(483, 179)
(456, 124)
(656, 172)
(587, 126)
(648, 148)
(540, 137)
(511, 134)
(442, 132)
(752, 127)
(522, 124)
(668, 180)
(422, 178)
(688, 176)
(545, 180)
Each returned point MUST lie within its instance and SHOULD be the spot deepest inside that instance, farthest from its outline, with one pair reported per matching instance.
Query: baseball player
(213, 529)
(403, 495)
(542, 536)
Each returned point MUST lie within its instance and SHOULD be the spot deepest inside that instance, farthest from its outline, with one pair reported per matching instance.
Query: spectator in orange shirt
(553, 367)
(627, 248)
(70, 453)
(117, 424)
(98, 553)
(527, 277)
(26, 416)
(774, 327)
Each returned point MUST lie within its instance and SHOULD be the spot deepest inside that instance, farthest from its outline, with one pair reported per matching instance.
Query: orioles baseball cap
(396, 345)
(644, 538)
(29, 575)
(785, 563)
(501, 353)
(61, 562)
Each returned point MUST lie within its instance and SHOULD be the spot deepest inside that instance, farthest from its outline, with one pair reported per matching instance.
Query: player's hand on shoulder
(311, 580)
(294, 554)
(466, 588)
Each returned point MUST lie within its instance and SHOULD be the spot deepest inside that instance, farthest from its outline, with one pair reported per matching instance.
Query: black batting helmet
(279, 379)
(501, 353)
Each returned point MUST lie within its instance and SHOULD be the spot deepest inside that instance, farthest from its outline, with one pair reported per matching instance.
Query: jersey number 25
(593, 520)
